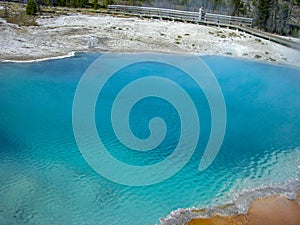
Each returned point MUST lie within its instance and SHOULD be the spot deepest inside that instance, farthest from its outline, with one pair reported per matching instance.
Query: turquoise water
(45, 180)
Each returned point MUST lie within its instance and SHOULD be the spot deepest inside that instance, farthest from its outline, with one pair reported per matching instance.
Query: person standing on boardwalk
(201, 13)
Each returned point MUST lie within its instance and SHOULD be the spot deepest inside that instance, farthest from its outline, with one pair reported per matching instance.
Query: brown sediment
(266, 211)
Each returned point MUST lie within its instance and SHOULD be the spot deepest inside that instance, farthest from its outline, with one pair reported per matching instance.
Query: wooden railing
(179, 15)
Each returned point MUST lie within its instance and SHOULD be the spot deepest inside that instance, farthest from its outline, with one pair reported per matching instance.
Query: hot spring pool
(44, 178)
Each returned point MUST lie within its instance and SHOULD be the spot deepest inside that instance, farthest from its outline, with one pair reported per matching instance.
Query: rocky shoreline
(59, 36)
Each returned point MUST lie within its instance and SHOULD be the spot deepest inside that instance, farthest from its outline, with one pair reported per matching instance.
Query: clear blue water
(45, 180)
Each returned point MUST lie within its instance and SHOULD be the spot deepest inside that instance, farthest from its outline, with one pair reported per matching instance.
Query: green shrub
(257, 56)
(31, 8)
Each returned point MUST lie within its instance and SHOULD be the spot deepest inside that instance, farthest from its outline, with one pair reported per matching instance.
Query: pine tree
(31, 8)
(216, 4)
(236, 7)
(95, 4)
(263, 13)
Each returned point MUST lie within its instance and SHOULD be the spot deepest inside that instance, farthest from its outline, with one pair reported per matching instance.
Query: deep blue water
(45, 180)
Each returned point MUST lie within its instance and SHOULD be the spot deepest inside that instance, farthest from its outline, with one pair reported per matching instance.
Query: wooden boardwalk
(179, 15)
(232, 22)
(274, 38)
